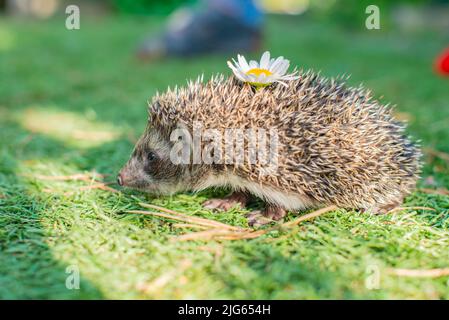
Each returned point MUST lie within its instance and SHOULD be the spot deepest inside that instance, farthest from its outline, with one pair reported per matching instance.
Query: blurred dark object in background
(215, 26)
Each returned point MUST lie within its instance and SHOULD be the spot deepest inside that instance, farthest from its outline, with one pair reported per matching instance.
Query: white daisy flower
(264, 73)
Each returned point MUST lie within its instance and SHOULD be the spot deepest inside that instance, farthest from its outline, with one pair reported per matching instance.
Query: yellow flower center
(258, 72)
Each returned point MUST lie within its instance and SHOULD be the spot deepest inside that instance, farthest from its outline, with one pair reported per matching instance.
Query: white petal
(230, 65)
(262, 78)
(284, 67)
(236, 71)
(236, 64)
(243, 64)
(265, 60)
(252, 78)
(276, 79)
(253, 64)
(243, 75)
(268, 79)
(279, 67)
(275, 65)
(236, 68)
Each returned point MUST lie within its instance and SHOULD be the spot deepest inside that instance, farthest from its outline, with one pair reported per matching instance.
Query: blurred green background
(74, 102)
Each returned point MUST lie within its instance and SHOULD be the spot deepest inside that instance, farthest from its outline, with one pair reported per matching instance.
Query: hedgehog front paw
(269, 214)
(256, 218)
(236, 198)
(219, 204)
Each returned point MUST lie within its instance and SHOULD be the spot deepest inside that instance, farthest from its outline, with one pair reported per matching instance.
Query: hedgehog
(335, 145)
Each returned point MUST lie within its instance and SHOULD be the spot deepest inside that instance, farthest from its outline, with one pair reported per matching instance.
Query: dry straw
(214, 230)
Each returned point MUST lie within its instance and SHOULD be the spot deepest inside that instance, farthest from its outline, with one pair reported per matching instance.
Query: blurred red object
(442, 63)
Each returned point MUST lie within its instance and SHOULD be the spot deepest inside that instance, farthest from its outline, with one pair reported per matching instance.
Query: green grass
(74, 102)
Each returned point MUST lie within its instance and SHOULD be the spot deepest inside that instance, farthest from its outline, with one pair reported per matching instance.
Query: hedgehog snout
(120, 179)
(123, 178)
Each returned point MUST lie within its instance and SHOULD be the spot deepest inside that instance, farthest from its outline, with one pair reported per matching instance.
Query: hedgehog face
(150, 168)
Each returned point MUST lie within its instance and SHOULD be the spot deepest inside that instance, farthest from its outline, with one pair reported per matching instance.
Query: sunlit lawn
(74, 102)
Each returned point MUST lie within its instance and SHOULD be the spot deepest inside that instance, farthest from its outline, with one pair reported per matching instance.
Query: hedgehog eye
(151, 156)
